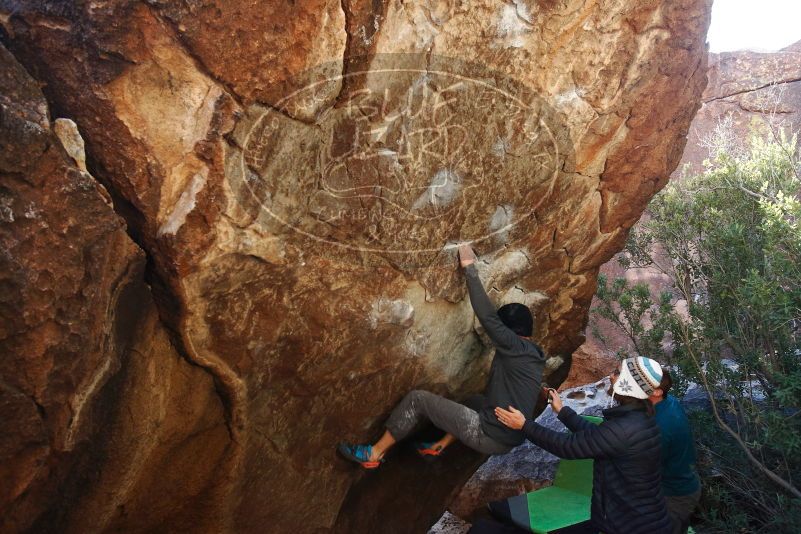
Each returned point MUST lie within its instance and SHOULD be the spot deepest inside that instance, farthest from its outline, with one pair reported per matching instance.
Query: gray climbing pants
(444, 414)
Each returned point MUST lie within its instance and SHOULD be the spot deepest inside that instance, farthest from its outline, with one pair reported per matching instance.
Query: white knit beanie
(639, 377)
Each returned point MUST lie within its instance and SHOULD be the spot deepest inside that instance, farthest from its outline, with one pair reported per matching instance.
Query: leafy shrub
(729, 241)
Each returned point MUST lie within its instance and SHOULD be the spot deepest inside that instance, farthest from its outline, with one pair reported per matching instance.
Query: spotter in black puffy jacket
(627, 483)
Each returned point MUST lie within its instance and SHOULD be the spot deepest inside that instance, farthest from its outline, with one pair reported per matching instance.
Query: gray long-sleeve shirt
(516, 371)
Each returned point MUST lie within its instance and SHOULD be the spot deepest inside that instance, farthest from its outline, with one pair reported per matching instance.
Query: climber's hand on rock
(512, 418)
(556, 401)
(466, 255)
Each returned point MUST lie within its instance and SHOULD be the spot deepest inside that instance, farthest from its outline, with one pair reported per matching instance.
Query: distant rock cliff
(292, 177)
(748, 92)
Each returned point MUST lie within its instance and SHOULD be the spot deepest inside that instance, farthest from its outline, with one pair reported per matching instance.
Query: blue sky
(764, 25)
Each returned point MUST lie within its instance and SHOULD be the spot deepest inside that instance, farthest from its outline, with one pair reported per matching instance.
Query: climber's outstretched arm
(500, 334)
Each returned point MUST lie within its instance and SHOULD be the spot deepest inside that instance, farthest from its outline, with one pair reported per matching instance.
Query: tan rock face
(298, 174)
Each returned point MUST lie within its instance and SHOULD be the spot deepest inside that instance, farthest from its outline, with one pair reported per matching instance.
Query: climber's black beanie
(518, 318)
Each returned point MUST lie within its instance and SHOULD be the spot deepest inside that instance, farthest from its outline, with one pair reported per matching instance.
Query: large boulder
(102, 418)
(297, 174)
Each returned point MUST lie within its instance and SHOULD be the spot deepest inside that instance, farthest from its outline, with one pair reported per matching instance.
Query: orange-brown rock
(297, 174)
(591, 362)
(101, 416)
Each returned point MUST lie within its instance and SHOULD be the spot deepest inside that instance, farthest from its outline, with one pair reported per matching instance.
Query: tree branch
(787, 486)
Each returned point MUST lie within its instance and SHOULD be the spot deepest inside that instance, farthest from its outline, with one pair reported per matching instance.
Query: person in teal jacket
(680, 482)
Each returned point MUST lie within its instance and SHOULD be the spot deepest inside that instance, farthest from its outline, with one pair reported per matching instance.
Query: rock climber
(514, 379)
(627, 493)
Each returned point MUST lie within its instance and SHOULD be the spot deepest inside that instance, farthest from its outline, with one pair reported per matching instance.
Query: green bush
(729, 241)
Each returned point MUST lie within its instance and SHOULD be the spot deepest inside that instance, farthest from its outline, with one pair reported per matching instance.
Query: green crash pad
(565, 503)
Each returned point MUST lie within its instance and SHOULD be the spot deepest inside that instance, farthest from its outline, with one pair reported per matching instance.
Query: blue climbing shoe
(359, 454)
